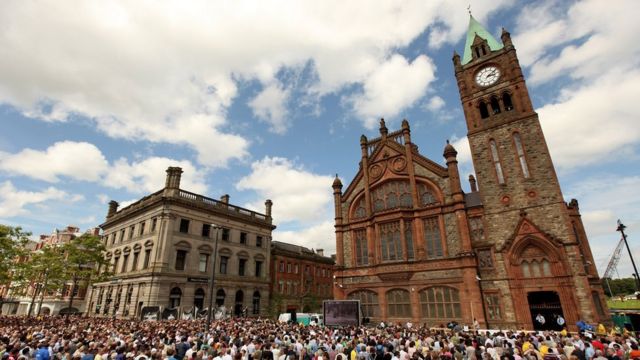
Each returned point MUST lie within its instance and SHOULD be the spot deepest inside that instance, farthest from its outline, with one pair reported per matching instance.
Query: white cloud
(297, 194)
(435, 103)
(85, 162)
(320, 236)
(593, 45)
(148, 175)
(595, 36)
(604, 199)
(394, 85)
(78, 160)
(270, 106)
(14, 202)
(586, 126)
(168, 73)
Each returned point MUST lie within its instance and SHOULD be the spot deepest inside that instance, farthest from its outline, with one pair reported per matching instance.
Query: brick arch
(356, 204)
(529, 244)
(435, 189)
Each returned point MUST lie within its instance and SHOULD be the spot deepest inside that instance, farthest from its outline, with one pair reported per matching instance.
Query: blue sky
(268, 99)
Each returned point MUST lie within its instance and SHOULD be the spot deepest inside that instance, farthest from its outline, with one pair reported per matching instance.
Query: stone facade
(301, 278)
(162, 247)
(412, 246)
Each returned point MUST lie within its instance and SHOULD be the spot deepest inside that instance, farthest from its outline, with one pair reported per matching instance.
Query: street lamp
(621, 228)
(213, 276)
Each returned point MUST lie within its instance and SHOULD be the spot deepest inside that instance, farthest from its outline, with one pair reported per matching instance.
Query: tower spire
(476, 29)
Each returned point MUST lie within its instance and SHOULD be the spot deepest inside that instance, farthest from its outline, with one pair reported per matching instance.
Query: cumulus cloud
(297, 194)
(594, 46)
(602, 199)
(85, 162)
(594, 37)
(393, 86)
(14, 202)
(586, 126)
(168, 73)
(78, 160)
(270, 106)
(319, 236)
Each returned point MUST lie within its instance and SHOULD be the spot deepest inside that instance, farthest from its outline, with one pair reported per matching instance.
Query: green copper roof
(476, 28)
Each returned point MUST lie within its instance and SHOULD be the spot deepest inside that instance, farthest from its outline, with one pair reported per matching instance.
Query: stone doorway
(546, 310)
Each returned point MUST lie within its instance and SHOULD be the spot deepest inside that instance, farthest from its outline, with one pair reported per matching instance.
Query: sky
(268, 99)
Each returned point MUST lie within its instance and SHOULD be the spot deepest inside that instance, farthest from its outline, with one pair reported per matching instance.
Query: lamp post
(621, 228)
(213, 276)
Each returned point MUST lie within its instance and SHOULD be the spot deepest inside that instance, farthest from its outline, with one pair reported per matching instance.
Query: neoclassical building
(511, 253)
(161, 249)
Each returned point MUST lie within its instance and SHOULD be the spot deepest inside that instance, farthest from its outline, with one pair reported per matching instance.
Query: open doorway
(546, 310)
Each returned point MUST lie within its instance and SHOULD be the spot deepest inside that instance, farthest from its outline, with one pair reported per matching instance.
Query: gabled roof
(476, 29)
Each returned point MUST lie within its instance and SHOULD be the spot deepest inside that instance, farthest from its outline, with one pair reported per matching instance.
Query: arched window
(174, 297)
(391, 195)
(256, 303)
(495, 105)
(390, 242)
(220, 295)
(239, 303)
(442, 303)
(408, 238)
(521, 158)
(362, 251)
(368, 302)
(534, 263)
(496, 161)
(426, 196)
(398, 303)
(360, 209)
(484, 112)
(477, 51)
(198, 298)
(506, 100)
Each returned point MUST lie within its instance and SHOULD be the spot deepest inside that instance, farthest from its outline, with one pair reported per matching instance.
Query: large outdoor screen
(341, 312)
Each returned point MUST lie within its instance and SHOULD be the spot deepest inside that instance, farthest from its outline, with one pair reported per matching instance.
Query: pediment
(525, 229)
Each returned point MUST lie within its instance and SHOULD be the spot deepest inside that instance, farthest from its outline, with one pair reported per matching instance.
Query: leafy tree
(12, 245)
(275, 305)
(624, 286)
(44, 270)
(84, 262)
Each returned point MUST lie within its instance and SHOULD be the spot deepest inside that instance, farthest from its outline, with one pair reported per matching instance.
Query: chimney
(113, 208)
(225, 198)
(472, 183)
(320, 252)
(268, 204)
(173, 178)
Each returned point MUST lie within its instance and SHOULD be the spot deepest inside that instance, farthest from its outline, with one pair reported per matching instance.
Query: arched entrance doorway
(546, 310)
(237, 309)
(198, 299)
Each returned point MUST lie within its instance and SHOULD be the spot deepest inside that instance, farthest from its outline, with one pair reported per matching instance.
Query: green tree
(85, 262)
(12, 245)
(624, 286)
(275, 305)
(44, 270)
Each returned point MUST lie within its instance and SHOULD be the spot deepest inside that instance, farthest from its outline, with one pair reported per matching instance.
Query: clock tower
(530, 232)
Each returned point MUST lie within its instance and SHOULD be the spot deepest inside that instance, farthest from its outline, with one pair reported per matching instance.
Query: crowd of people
(80, 338)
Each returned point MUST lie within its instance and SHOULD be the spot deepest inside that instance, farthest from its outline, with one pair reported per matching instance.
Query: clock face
(487, 76)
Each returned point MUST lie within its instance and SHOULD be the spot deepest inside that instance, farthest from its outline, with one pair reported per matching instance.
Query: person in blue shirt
(43, 352)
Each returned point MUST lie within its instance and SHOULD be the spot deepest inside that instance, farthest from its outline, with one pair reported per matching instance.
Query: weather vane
(469, 9)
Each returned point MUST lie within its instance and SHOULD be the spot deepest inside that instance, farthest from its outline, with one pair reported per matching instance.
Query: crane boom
(613, 262)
